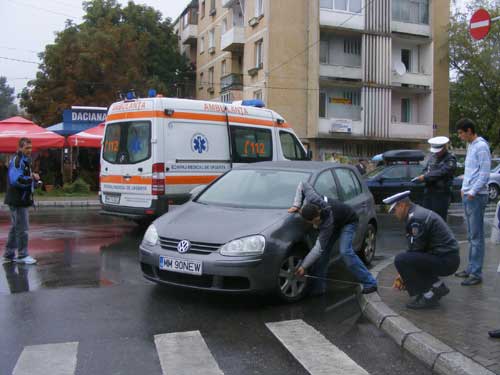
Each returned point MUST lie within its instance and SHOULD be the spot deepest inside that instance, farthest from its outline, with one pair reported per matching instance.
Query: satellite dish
(399, 68)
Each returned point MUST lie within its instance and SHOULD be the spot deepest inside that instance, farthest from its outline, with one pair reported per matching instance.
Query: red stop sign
(480, 23)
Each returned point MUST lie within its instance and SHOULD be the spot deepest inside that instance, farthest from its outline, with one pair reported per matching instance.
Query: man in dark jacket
(335, 221)
(19, 197)
(438, 177)
(432, 252)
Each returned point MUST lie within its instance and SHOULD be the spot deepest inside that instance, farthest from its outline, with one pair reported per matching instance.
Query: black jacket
(439, 172)
(20, 183)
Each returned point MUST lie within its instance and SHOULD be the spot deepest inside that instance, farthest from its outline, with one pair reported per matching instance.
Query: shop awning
(89, 138)
(14, 128)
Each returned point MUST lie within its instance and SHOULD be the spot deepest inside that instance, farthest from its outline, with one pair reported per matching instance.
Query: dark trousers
(437, 202)
(420, 270)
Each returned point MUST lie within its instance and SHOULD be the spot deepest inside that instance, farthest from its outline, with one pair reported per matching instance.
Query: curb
(441, 358)
(62, 203)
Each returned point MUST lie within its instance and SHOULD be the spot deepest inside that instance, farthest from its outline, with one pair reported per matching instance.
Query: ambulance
(155, 151)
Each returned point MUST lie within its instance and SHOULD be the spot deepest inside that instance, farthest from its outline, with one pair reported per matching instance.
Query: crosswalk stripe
(53, 359)
(318, 355)
(185, 353)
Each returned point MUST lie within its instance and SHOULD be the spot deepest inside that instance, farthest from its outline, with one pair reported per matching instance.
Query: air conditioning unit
(254, 21)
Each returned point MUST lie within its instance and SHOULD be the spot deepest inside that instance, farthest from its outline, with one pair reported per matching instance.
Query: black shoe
(422, 303)
(472, 280)
(494, 334)
(7, 259)
(369, 289)
(462, 274)
(440, 291)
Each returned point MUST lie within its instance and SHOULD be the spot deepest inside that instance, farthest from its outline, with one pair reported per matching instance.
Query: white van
(156, 150)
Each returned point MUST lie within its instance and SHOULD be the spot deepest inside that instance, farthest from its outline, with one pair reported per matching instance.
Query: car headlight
(252, 245)
(151, 236)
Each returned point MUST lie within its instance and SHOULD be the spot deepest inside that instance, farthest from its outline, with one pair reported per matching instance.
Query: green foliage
(7, 106)
(114, 49)
(79, 186)
(475, 91)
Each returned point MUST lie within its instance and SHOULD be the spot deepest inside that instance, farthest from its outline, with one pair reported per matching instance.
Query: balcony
(411, 17)
(231, 81)
(337, 71)
(333, 18)
(233, 39)
(411, 28)
(228, 3)
(410, 131)
(416, 79)
(340, 127)
(189, 35)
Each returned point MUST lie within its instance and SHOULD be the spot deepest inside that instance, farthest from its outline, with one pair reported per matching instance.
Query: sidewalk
(89, 201)
(465, 315)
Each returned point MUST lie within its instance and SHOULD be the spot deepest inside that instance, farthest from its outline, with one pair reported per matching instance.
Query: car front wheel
(367, 252)
(290, 287)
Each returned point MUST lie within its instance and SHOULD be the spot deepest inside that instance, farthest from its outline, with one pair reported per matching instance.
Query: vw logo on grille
(183, 246)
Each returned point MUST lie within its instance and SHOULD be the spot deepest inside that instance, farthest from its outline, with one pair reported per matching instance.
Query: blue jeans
(351, 260)
(18, 233)
(474, 219)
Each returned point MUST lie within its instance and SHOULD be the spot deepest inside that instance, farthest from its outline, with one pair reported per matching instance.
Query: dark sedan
(237, 236)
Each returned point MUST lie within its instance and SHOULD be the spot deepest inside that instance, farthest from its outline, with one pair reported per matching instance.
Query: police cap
(396, 198)
(437, 143)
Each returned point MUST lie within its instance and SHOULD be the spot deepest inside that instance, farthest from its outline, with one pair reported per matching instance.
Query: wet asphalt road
(87, 288)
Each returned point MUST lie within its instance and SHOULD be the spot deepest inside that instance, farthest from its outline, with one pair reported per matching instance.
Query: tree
(7, 106)
(475, 89)
(113, 50)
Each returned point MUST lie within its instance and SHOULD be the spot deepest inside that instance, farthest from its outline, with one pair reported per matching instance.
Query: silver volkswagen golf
(237, 236)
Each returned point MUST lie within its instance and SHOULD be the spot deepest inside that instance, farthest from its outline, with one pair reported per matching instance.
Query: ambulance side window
(250, 145)
(292, 150)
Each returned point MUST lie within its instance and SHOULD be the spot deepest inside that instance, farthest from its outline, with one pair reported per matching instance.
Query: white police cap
(437, 143)
(394, 199)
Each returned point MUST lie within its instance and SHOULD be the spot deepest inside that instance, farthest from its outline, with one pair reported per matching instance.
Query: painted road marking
(53, 359)
(318, 355)
(185, 353)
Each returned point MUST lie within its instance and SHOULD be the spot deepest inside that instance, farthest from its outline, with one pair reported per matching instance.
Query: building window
(226, 97)
(185, 20)
(322, 104)
(259, 8)
(211, 38)
(411, 11)
(352, 46)
(406, 58)
(323, 52)
(202, 44)
(201, 80)
(353, 6)
(259, 59)
(212, 7)
(353, 96)
(211, 77)
(223, 68)
(405, 110)
(257, 94)
(202, 10)
(224, 26)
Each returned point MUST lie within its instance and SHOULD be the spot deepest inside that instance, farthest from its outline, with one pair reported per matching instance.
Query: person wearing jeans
(474, 197)
(19, 198)
(335, 221)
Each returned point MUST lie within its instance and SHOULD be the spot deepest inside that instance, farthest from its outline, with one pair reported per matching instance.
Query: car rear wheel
(367, 252)
(493, 192)
(290, 287)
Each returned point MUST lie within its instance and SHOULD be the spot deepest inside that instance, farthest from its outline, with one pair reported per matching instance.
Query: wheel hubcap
(492, 191)
(291, 285)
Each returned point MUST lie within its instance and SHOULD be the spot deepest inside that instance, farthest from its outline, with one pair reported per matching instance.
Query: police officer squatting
(438, 177)
(433, 252)
(335, 221)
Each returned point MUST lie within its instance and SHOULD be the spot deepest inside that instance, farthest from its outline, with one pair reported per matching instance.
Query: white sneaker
(26, 260)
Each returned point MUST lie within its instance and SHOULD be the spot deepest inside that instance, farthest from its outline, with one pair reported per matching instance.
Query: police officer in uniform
(438, 176)
(432, 252)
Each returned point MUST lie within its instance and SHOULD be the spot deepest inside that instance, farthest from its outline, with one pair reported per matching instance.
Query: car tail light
(158, 179)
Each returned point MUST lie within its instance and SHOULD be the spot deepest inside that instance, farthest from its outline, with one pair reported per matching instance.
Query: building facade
(354, 77)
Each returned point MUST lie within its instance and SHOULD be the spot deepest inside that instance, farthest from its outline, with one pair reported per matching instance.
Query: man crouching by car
(335, 221)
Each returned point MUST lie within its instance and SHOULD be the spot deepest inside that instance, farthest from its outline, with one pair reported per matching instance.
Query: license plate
(113, 199)
(180, 265)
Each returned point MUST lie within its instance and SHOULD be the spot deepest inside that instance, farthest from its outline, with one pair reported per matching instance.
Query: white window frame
(259, 8)
(331, 6)
(224, 26)
(408, 115)
(211, 38)
(223, 68)
(259, 53)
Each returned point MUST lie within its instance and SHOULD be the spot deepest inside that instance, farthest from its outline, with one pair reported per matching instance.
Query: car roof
(301, 166)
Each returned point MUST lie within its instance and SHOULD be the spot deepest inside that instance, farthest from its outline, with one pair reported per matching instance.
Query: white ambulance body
(156, 150)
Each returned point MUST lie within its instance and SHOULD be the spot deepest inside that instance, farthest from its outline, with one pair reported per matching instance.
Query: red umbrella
(14, 128)
(88, 138)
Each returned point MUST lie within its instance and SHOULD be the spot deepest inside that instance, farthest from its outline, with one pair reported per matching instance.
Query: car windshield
(254, 189)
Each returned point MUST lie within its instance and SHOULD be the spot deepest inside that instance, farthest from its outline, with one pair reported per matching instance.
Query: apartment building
(355, 77)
